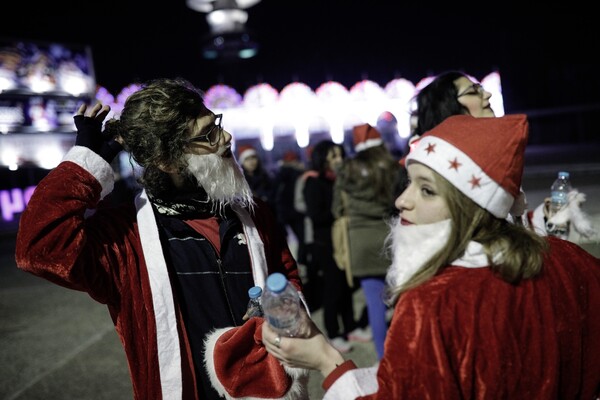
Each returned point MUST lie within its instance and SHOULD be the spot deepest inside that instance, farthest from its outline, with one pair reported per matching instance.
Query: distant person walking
(369, 181)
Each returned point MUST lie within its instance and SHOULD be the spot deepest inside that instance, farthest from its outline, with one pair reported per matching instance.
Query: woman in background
(326, 158)
(365, 191)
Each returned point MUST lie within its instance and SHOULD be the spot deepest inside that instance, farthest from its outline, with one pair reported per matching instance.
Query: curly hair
(154, 124)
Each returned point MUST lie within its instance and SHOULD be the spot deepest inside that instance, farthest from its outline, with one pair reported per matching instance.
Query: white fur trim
(210, 341)
(95, 165)
(167, 337)
(298, 390)
(352, 384)
(580, 221)
(256, 247)
(367, 144)
(467, 177)
(474, 257)
(537, 220)
(246, 153)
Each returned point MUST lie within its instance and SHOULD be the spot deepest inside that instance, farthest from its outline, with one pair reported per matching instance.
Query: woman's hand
(314, 352)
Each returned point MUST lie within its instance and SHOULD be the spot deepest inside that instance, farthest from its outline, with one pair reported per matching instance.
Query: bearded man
(173, 264)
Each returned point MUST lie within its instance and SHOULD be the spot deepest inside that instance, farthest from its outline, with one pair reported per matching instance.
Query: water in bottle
(559, 193)
(281, 305)
(254, 304)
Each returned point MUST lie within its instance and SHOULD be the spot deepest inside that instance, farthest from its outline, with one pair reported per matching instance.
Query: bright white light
(49, 157)
(228, 20)
(266, 136)
(296, 93)
(302, 136)
(75, 85)
(9, 156)
(260, 95)
(297, 108)
(368, 101)
(72, 80)
(40, 84)
(401, 92)
(331, 92)
(492, 84)
(7, 82)
(337, 132)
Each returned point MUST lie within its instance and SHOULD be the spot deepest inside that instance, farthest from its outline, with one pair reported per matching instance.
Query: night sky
(546, 55)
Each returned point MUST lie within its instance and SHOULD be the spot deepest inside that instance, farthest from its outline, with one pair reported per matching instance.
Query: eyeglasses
(474, 90)
(213, 136)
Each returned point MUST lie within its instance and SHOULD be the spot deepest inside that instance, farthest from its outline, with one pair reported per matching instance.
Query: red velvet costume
(467, 334)
(115, 256)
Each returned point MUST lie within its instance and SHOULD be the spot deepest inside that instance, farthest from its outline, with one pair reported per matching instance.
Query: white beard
(412, 246)
(221, 178)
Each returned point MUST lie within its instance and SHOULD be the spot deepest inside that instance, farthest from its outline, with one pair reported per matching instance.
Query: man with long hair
(174, 264)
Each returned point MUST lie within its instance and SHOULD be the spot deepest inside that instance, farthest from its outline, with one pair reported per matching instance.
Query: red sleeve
(336, 373)
(466, 331)
(59, 242)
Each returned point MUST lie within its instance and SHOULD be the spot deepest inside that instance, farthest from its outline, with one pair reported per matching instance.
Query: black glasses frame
(208, 136)
(478, 90)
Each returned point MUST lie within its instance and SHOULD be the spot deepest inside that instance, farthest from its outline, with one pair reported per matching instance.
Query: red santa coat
(467, 334)
(115, 256)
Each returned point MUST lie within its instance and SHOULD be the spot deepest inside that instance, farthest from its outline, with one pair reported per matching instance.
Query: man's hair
(522, 250)
(154, 125)
(438, 101)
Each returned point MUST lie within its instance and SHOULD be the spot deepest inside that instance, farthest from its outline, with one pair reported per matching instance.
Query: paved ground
(59, 344)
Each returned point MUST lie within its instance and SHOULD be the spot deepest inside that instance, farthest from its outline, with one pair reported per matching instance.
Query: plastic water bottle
(559, 194)
(281, 306)
(254, 304)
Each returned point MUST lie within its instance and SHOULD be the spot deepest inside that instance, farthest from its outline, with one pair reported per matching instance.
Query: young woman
(483, 308)
(450, 93)
(454, 93)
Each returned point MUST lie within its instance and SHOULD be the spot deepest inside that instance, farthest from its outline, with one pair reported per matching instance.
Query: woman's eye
(427, 192)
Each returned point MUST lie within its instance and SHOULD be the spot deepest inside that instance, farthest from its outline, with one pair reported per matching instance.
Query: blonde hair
(521, 250)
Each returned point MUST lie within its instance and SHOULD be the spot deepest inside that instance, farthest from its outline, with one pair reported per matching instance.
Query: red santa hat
(365, 136)
(245, 152)
(481, 157)
(290, 156)
(239, 366)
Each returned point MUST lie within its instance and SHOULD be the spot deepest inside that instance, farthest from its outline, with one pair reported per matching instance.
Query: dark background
(546, 54)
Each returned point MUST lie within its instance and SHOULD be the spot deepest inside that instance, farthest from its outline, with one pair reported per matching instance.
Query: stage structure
(264, 114)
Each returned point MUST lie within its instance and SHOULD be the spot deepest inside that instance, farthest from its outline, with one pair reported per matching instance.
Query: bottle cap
(276, 282)
(254, 292)
(563, 174)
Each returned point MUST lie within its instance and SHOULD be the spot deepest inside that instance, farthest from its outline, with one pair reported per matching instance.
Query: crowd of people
(465, 296)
